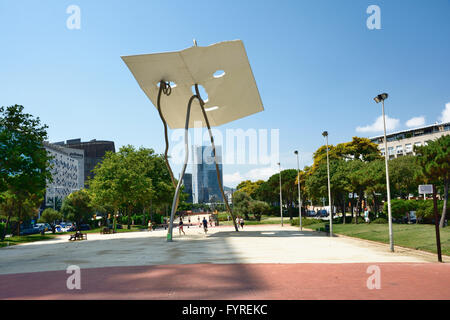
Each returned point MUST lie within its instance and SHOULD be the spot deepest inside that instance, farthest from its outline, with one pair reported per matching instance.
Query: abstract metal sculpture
(221, 69)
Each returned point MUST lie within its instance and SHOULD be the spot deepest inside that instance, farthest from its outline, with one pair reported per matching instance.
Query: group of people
(204, 223)
(240, 222)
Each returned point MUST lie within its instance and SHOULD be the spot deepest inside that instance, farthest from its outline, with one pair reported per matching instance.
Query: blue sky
(316, 64)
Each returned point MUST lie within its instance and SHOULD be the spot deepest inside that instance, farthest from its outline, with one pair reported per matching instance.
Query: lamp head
(296, 152)
(380, 97)
(325, 133)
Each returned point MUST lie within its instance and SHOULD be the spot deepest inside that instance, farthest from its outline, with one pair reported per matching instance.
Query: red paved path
(236, 281)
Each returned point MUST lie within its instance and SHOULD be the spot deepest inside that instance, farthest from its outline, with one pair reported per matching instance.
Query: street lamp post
(299, 197)
(281, 198)
(325, 134)
(378, 99)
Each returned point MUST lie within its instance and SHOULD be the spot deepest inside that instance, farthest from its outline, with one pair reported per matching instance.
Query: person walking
(366, 215)
(189, 221)
(205, 225)
(238, 221)
(149, 225)
(242, 222)
(180, 226)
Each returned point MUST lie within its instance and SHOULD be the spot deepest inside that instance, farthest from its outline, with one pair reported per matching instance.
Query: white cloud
(233, 179)
(415, 122)
(377, 126)
(261, 173)
(445, 115)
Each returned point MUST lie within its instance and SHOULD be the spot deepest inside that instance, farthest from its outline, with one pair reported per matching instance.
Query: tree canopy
(24, 163)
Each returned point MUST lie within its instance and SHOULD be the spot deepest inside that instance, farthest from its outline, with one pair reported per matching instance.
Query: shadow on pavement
(138, 268)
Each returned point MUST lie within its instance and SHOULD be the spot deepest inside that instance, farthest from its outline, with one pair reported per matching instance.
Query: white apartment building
(67, 172)
(402, 143)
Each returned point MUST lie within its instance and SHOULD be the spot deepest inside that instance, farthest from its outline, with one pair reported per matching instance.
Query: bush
(258, 208)
(137, 219)
(360, 220)
(2, 227)
(274, 211)
(305, 222)
(223, 216)
(424, 209)
(156, 217)
(380, 221)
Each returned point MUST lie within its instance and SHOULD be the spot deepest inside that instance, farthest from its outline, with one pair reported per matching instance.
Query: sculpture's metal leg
(186, 158)
(164, 87)
(215, 157)
(186, 141)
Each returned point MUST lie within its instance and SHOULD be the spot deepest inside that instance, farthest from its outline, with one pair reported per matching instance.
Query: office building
(187, 183)
(205, 186)
(94, 151)
(67, 170)
(402, 143)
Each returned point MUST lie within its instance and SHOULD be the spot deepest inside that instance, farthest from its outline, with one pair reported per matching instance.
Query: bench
(106, 230)
(327, 228)
(78, 236)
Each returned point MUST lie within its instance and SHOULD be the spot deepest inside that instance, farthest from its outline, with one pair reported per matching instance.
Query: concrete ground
(223, 264)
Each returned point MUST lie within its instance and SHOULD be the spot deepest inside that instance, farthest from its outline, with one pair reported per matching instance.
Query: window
(408, 148)
(391, 150)
(382, 151)
(399, 149)
(417, 144)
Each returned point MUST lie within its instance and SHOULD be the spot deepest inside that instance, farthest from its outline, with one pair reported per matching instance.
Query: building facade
(187, 183)
(67, 170)
(94, 151)
(205, 186)
(402, 143)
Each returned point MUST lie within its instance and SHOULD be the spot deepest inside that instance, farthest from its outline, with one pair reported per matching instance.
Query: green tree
(258, 208)
(241, 203)
(358, 149)
(373, 177)
(249, 187)
(303, 174)
(434, 162)
(24, 162)
(50, 216)
(77, 207)
(131, 179)
(403, 174)
(269, 191)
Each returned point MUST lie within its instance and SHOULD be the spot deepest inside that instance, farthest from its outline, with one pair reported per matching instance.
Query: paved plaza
(260, 262)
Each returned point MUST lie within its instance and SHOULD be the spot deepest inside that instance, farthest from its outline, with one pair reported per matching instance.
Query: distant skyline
(316, 64)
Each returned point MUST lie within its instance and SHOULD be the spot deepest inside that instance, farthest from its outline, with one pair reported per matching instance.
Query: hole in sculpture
(202, 91)
(211, 109)
(219, 74)
(171, 83)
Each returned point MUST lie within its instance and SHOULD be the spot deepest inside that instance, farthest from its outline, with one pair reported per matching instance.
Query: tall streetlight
(299, 197)
(281, 198)
(325, 134)
(380, 98)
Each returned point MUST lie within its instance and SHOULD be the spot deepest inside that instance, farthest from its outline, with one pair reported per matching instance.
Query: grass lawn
(11, 241)
(415, 236)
